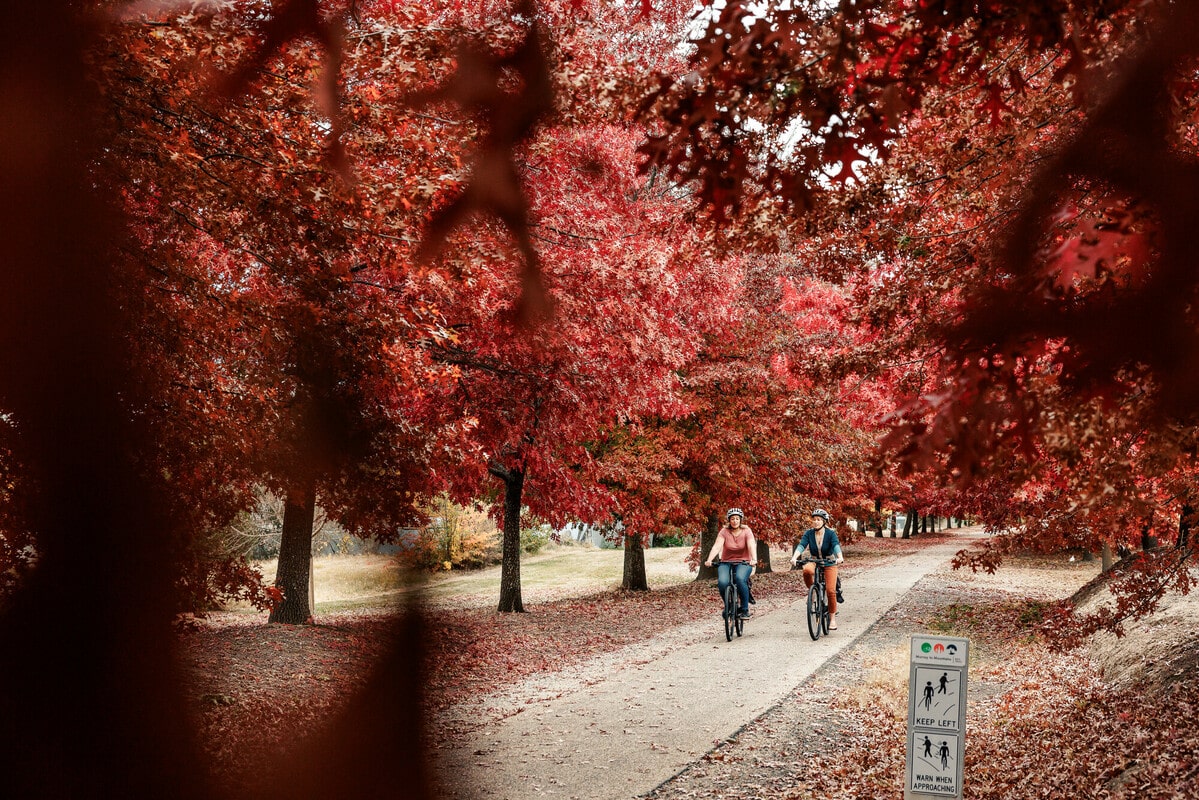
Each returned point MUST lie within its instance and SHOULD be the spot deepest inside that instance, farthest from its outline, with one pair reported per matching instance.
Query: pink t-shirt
(736, 545)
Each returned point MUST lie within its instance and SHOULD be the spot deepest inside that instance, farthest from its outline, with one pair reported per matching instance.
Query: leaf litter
(1040, 723)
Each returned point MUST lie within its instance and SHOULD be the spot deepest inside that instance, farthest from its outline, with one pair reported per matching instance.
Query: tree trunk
(909, 525)
(707, 541)
(514, 485)
(634, 564)
(1106, 556)
(892, 524)
(295, 555)
(311, 583)
(763, 557)
(1148, 540)
(1185, 518)
(878, 516)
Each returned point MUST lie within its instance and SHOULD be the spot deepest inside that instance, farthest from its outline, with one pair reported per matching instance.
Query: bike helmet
(820, 512)
(734, 512)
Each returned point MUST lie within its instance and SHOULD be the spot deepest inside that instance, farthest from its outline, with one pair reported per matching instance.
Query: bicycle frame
(818, 613)
(732, 622)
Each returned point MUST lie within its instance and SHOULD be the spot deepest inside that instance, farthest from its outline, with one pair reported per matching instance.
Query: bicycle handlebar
(824, 562)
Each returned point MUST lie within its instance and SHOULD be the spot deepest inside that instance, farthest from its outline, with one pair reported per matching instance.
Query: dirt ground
(778, 753)
(249, 680)
(1113, 719)
(251, 683)
(660, 704)
(1153, 653)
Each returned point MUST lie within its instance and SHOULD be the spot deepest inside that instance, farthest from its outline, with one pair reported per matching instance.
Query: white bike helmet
(734, 512)
(820, 512)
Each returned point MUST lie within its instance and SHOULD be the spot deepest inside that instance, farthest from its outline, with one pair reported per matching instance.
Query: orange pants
(830, 583)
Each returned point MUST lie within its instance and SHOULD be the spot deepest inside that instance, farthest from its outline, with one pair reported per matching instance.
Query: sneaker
(745, 614)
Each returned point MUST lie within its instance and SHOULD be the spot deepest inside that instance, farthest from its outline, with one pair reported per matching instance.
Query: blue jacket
(829, 546)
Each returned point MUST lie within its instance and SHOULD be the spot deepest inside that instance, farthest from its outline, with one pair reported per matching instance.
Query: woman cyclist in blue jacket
(820, 541)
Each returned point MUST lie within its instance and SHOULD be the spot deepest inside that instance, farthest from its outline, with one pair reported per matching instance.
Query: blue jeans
(739, 577)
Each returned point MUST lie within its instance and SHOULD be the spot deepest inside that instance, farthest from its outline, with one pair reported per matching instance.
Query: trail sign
(936, 717)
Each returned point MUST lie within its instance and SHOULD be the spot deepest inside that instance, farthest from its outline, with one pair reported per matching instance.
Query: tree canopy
(923, 251)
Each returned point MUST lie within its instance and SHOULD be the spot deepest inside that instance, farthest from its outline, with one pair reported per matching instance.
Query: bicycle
(733, 622)
(818, 613)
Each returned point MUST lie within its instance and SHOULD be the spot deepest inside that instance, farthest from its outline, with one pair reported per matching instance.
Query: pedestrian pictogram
(935, 764)
(938, 703)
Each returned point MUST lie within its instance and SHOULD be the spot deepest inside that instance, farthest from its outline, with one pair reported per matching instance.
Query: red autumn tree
(601, 264)
(766, 426)
(272, 291)
(272, 264)
(631, 296)
(1012, 174)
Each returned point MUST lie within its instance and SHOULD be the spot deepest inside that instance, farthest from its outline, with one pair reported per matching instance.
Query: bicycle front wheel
(738, 621)
(730, 612)
(815, 612)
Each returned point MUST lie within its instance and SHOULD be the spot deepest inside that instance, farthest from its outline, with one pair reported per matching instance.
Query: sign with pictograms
(934, 764)
(938, 691)
(936, 717)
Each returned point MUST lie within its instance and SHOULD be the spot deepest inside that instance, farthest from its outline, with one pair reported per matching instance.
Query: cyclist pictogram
(937, 703)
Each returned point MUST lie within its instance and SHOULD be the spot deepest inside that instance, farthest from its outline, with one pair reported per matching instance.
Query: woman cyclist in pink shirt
(737, 550)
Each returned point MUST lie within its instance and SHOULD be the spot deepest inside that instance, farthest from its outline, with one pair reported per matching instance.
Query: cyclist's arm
(752, 545)
(717, 549)
(837, 549)
(799, 548)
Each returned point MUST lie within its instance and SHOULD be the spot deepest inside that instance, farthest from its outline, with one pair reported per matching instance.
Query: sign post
(936, 717)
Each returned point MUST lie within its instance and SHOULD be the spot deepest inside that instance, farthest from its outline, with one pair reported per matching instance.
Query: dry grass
(352, 583)
(884, 681)
(345, 583)
(1152, 653)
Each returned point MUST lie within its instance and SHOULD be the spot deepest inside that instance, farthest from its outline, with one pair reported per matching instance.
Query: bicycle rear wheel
(824, 613)
(730, 612)
(814, 613)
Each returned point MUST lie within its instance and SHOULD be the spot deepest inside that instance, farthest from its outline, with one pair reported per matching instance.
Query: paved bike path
(625, 732)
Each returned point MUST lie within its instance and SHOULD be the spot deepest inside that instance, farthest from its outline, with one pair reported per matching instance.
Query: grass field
(360, 582)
